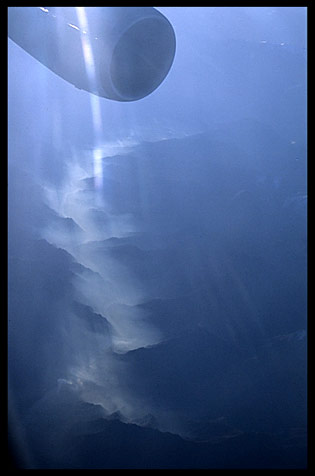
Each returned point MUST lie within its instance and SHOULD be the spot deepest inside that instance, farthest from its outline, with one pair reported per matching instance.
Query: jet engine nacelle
(120, 53)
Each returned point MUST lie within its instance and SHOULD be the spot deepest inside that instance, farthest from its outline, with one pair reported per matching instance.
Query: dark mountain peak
(94, 322)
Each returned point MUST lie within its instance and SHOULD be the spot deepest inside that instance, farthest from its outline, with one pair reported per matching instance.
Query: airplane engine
(119, 53)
